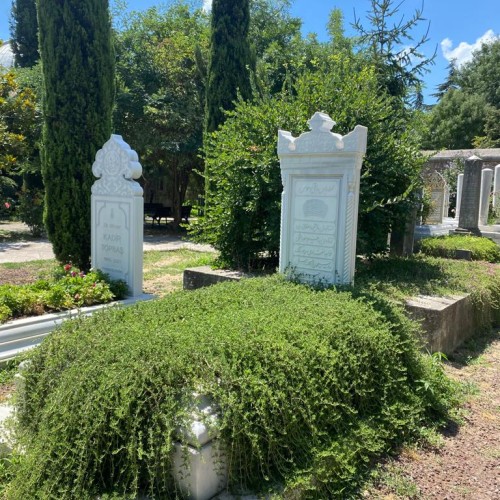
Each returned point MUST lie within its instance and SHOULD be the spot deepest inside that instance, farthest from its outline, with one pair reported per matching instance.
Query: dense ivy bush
(308, 385)
(446, 246)
(70, 288)
(242, 216)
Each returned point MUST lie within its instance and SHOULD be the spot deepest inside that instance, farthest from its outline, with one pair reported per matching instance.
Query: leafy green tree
(467, 114)
(335, 27)
(160, 93)
(276, 42)
(19, 132)
(78, 74)
(24, 33)
(21, 122)
(230, 59)
(480, 77)
(456, 121)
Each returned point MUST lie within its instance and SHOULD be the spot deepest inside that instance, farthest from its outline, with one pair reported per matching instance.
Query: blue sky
(456, 26)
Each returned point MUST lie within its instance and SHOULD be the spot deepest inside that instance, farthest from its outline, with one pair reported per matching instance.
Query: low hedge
(309, 386)
(68, 289)
(446, 246)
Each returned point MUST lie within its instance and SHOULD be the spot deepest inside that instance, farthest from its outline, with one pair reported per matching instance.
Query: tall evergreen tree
(24, 33)
(78, 71)
(397, 56)
(230, 59)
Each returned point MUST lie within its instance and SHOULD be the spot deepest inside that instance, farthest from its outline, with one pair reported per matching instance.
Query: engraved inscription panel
(112, 233)
(437, 204)
(314, 219)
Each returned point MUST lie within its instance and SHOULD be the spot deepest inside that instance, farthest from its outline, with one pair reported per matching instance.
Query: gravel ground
(467, 463)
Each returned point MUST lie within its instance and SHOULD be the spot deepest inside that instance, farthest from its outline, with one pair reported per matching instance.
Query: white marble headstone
(484, 203)
(320, 172)
(496, 188)
(117, 214)
(460, 185)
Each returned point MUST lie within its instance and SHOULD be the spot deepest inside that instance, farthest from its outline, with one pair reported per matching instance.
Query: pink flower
(7, 204)
(82, 274)
(67, 267)
(73, 274)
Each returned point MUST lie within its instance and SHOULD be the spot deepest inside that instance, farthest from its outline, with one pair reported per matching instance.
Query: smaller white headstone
(496, 189)
(460, 184)
(117, 214)
(484, 204)
(446, 201)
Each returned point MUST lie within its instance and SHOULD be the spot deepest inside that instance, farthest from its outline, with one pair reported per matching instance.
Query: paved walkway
(23, 251)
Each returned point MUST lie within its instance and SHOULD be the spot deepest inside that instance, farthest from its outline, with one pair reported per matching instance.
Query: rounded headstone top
(116, 164)
(474, 158)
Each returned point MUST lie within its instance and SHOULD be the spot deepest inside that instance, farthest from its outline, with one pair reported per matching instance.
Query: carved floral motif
(117, 164)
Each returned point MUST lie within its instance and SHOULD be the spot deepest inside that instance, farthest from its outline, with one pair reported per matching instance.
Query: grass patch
(446, 246)
(174, 262)
(390, 478)
(400, 278)
(309, 385)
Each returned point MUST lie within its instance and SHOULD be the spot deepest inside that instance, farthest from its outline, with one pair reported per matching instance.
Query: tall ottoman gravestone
(319, 213)
(117, 214)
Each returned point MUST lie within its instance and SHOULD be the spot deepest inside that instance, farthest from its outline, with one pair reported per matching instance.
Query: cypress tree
(78, 73)
(24, 33)
(230, 59)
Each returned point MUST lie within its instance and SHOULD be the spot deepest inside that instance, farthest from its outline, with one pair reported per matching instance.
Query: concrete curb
(22, 334)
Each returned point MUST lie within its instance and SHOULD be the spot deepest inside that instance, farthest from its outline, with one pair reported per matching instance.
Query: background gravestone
(471, 191)
(460, 185)
(437, 187)
(117, 214)
(484, 204)
(496, 189)
(320, 172)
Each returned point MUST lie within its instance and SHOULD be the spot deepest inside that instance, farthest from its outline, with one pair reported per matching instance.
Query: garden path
(40, 249)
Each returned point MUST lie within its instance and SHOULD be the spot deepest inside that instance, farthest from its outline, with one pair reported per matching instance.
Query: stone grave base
(427, 230)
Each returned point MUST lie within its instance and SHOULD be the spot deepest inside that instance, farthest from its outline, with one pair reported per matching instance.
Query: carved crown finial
(320, 122)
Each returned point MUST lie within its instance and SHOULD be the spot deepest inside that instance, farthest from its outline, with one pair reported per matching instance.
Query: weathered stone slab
(471, 193)
(199, 277)
(437, 187)
(449, 321)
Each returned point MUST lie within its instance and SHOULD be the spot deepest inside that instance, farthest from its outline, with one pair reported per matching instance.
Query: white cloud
(463, 52)
(207, 5)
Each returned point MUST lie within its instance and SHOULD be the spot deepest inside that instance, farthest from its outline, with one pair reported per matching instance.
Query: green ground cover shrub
(309, 387)
(446, 246)
(67, 289)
